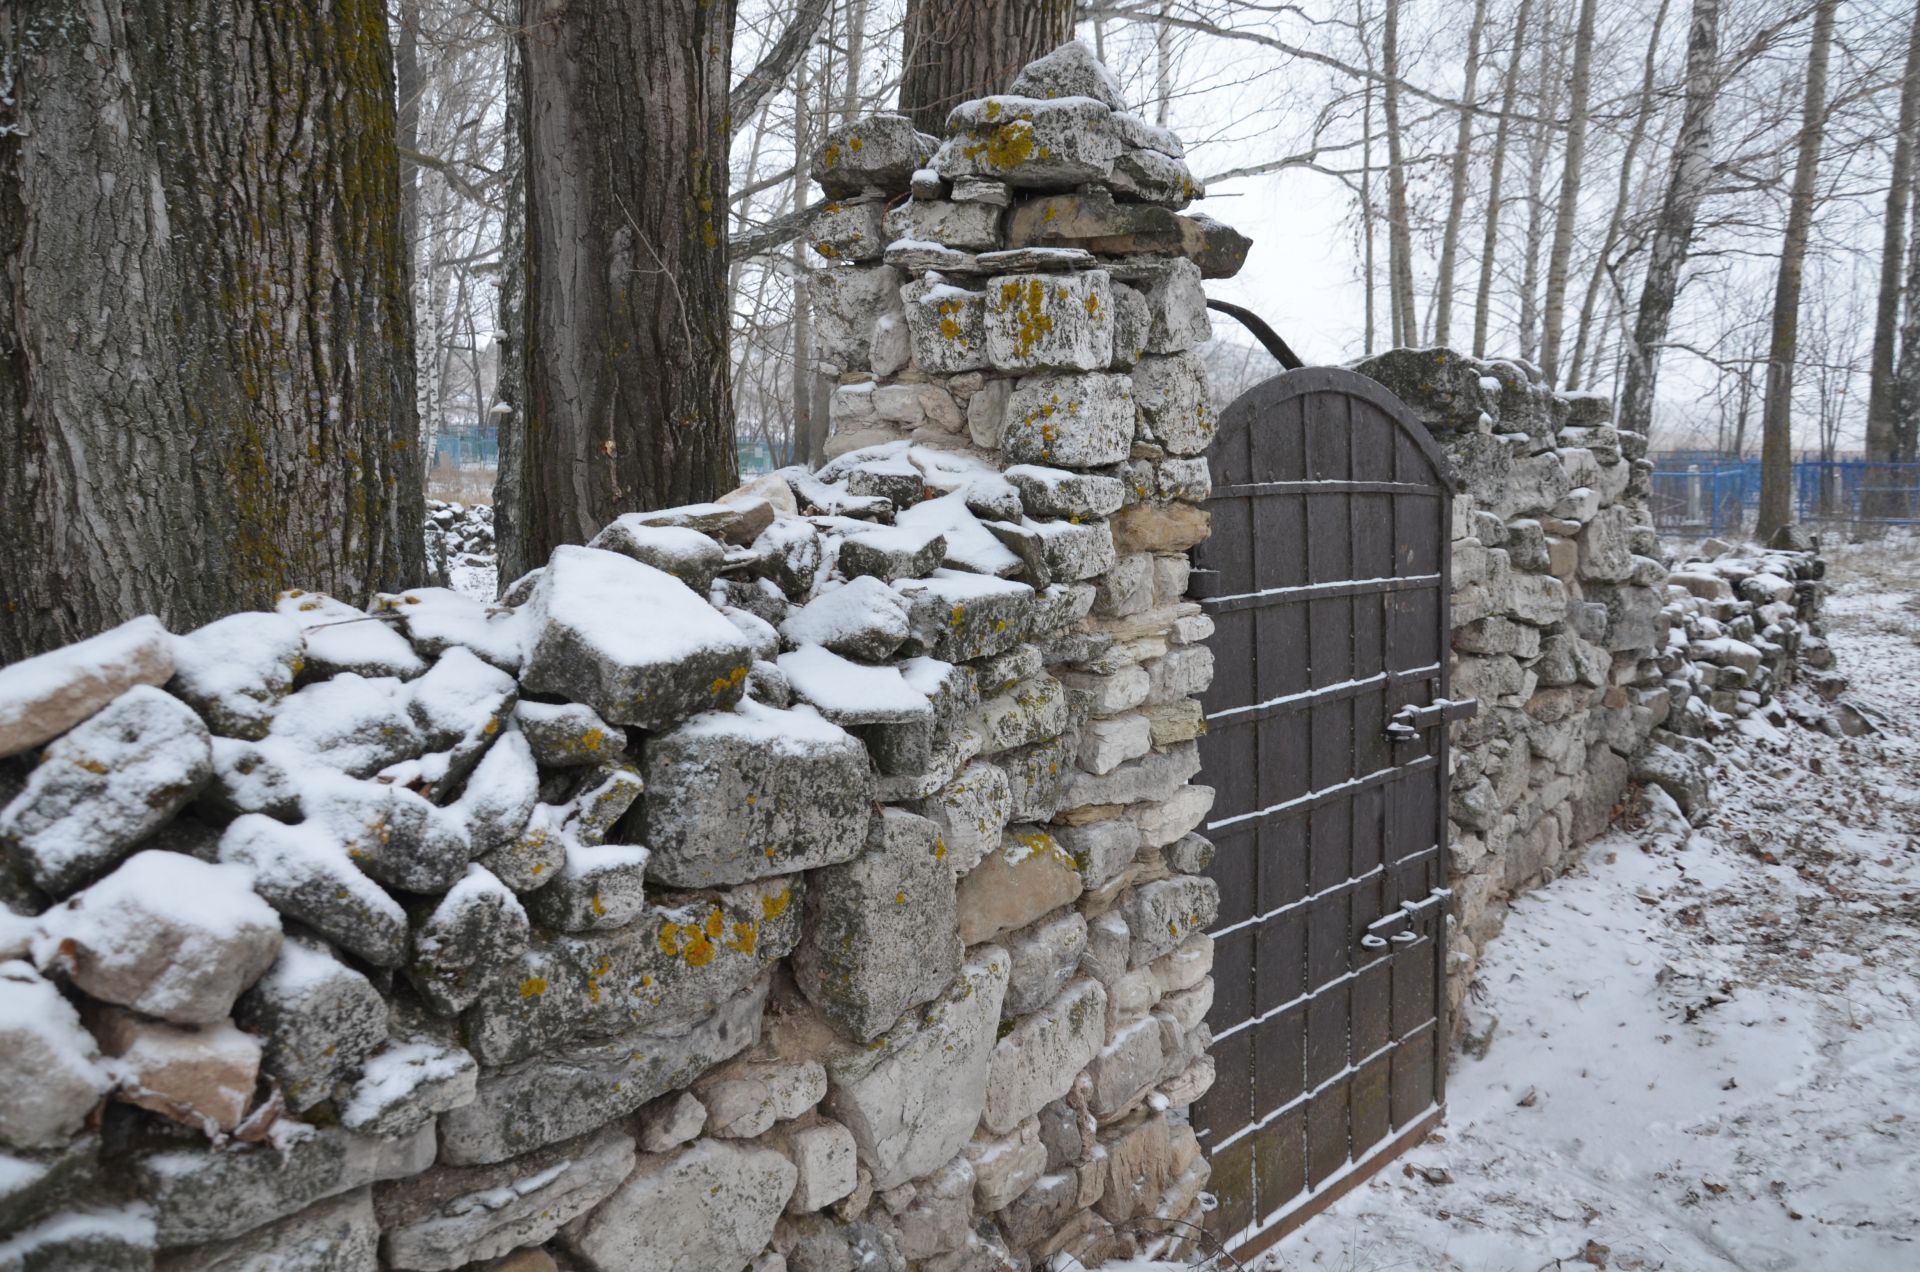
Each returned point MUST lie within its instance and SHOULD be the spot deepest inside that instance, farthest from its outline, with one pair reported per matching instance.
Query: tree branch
(781, 57)
(778, 232)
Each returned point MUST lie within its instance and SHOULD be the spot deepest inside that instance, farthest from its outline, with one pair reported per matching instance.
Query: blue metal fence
(1700, 493)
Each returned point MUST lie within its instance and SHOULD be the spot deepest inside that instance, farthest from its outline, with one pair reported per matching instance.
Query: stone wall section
(1595, 664)
(806, 880)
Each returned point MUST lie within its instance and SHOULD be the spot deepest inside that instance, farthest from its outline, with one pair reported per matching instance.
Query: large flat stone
(1071, 421)
(733, 796)
(913, 1100)
(1038, 1060)
(1030, 143)
(199, 1196)
(877, 152)
(878, 936)
(455, 1215)
(709, 1207)
(570, 1090)
(667, 968)
(632, 642)
(165, 934)
(102, 788)
(1050, 322)
(43, 697)
(1024, 878)
(337, 1235)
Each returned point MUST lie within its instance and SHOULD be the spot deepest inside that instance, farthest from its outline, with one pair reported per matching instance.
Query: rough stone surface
(338, 1235)
(879, 930)
(913, 1102)
(455, 1215)
(50, 1076)
(43, 697)
(737, 797)
(1037, 1061)
(566, 1091)
(711, 1205)
(1080, 421)
(105, 786)
(318, 1019)
(1028, 875)
(1049, 322)
(142, 938)
(629, 641)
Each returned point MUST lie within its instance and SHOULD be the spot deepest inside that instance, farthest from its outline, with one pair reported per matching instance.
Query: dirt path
(1705, 1046)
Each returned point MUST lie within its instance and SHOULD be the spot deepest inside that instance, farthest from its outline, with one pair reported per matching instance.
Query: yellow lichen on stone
(533, 987)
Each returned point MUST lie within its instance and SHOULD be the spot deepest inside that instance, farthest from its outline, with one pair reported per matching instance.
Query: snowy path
(1706, 1053)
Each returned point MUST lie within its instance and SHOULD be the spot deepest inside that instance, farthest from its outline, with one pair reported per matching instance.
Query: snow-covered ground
(1703, 1051)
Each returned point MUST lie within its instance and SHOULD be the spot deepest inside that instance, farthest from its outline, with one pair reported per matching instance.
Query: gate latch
(1410, 721)
(1408, 911)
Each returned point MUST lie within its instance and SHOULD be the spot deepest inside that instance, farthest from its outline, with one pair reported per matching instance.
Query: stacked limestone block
(1559, 621)
(1743, 625)
(1595, 665)
(803, 880)
(1027, 292)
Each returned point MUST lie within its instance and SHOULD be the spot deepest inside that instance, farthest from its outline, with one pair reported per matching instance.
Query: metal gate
(1327, 577)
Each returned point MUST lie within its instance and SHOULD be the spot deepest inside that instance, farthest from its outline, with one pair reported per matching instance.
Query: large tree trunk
(1406, 332)
(1566, 215)
(1776, 439)
(627, 401)
(1490, 235)
(206, 359)
(1622, 200)
(957, 50)
(1457, 190)
(1883, 433)
(1687, 179)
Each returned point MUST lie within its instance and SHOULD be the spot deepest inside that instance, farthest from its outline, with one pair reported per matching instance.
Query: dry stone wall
(806, 880)
(1595, 664)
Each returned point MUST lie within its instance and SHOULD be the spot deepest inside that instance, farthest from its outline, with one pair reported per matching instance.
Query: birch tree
(1688, 174)
(1490, 232)
(1568, 210)
(1457, 183)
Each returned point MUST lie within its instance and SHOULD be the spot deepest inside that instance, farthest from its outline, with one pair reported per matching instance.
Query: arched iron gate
(1327, 578)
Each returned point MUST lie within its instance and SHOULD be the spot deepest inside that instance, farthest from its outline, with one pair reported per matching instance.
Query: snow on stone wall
(1595, 665)
(803, 880)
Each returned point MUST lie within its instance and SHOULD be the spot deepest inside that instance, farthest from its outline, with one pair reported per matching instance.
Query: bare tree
(1490, 233)
(1569, 205)
(1457, 183)
(1399, 233)
(1622, 199)
(1688, 174)
(1776, 447)
(957, 50)
(206, 358)
(1884, 434)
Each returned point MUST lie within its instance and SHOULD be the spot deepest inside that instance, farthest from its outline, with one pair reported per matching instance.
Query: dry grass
(461, 485)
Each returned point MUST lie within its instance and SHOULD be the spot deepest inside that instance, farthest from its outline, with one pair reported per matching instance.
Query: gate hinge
(1409, 721)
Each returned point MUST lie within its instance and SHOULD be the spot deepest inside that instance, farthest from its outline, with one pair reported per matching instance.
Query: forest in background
(1496, 173)
(256, 263)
